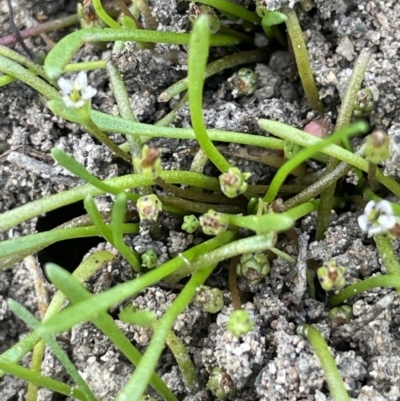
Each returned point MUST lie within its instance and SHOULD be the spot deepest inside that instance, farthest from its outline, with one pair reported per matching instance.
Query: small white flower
(75, 94)
(377, 218)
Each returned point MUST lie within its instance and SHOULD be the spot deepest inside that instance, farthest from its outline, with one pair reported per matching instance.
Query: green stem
(109, 123)
(256, 243)
(16, 216)
(136, 385)
(102, 14)
(182, 357)
(85, 66)
(264, 223)
(332, 375)
(124, 106)
(69, 45)
(317, 187)
(41, 381)
(304, 139)
(302, 60)
(384, 280)
(353, 86)
(85, 310)
(61, 355)
(21, 60)
(85, 270)
(74, 291)
(387, 253)
(198, 54)
(305, 154)
(14, 69)
(343, 120)
(302, 210)
(35, 242)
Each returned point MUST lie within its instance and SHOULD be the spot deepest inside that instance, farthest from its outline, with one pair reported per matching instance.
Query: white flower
(377, 218)
(75, 94)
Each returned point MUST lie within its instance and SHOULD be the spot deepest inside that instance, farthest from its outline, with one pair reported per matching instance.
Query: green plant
(245, 228)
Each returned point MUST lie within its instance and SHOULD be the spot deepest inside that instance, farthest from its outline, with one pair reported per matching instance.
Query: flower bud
(253, 267)
(149, 206)
(364, 103)
(243, 82)
(190, 223)
(340, 315)
(233, 182)
(240, 323)
(149, 165)
(214, 223)
(221, 384)
(149, 259)
(331, 276)
(210, 299)
(377, 146)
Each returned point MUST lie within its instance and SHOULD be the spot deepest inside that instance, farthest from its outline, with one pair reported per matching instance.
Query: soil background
(272, 362)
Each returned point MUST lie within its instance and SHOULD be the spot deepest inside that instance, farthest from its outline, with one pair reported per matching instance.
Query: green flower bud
(210, 299)
(196, 10)
(149, 165)
(190, 223)
(377, 146)
(243, 82)
(240, 323)
(214, 223)
(364, 103)
(149, 259)
(331, 276)
(149, 206)
(233, 182)
(253, 267)
(221, 384)
(340, 315)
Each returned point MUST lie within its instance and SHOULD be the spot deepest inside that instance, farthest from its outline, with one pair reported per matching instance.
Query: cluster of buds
(211, 300)
(190, 223)
(378, 218)
(214, 223)
(243, 82)
(253, 267)
(149, 165)
(233, 182)
(240, 323)
(149, 259)
(221, 384)
(149, 207)
(331, 276)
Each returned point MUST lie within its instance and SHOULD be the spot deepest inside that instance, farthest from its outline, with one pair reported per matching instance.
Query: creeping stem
(302, 59)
